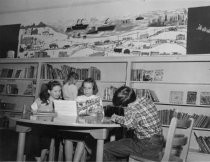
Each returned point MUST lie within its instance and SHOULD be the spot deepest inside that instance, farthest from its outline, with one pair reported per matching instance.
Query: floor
(8, 145)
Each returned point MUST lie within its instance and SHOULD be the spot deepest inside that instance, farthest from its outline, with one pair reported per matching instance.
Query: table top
(73, 121)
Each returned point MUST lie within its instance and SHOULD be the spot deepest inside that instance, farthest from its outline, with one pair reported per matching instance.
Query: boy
(140, 115)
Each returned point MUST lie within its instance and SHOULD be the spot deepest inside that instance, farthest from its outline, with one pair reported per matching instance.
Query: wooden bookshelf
(180, 73)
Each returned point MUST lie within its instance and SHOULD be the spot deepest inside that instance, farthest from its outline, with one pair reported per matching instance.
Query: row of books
(48, 71)
(148, 93)
(13, 89)
(27, 72)
(147, 75)
(201, 121)
(4, 122)
(203, 143)
(109, 92)
(176, 97)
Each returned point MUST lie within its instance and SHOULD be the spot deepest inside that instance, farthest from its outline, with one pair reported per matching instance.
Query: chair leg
(79, 151)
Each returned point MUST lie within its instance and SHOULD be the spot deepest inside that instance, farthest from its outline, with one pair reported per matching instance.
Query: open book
(65, 107)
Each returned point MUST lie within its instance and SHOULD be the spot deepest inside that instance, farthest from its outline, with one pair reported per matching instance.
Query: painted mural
(158, 32)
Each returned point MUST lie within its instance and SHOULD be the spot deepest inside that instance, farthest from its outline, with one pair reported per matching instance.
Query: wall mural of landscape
(161, 32)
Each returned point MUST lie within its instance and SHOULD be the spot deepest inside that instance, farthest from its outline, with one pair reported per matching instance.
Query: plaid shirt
(142, 117)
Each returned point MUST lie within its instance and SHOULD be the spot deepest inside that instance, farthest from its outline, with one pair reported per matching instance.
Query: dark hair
(123, 96)
(88, 80)
(71, 75)
(44, 95)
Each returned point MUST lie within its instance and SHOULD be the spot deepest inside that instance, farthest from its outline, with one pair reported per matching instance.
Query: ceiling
(11, 6)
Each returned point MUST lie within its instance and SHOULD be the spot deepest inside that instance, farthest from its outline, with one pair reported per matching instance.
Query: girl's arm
(34, 107)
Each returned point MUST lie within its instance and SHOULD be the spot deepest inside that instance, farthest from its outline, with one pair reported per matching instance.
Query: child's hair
(123, 96)
(71, 75)
(88, 80)
(44, 95)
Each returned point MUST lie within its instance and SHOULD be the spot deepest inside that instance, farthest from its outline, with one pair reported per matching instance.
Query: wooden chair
(174, 150)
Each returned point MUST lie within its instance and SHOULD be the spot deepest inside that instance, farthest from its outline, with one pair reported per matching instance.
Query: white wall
(32, 11)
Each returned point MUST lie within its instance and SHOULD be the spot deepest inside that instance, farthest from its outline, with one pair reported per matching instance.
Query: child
(141, 116)
(40, 139)
(70, 92)
(69, 88)
(52, 91)
(89, 103)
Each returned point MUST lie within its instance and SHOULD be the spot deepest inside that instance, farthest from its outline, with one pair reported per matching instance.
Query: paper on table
(65, 107)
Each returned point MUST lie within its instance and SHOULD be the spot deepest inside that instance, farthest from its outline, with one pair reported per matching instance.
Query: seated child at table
(70, 92)
(39, 139)
(69, 88)
(141, 116)
(88, 103)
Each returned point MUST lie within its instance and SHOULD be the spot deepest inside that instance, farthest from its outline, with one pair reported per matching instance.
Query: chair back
(174, 150)
(177, 145)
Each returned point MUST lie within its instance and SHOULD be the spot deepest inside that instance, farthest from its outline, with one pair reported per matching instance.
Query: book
(2, 88)
(153, 95)
(9, 73)
(65, 107)
(176, 97)
(18, 73)
(158, 75)
(205, 98)
(200, 144)
(191, 97)
(4, 72)
(148, 75)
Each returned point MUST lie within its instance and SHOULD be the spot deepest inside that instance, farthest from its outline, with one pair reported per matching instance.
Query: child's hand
(113, 117)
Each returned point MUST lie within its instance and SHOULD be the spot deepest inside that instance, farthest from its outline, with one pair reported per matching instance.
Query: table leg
(100, 149)
(21, 146)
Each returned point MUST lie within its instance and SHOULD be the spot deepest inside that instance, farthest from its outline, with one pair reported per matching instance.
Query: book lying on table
(43, 116)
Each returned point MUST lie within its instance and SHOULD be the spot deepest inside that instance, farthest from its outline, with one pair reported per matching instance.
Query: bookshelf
(108, 74)
(180, 83)
(18, 81)
(174, 75)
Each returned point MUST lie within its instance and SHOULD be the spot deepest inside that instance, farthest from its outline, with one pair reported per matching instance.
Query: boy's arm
(127, 120)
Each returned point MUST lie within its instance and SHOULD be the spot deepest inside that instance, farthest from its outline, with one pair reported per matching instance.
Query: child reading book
(87, 104)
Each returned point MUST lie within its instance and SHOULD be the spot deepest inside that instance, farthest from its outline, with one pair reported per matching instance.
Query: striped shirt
(142, 117)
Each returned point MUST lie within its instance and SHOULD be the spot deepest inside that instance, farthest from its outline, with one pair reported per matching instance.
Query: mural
(158, 32)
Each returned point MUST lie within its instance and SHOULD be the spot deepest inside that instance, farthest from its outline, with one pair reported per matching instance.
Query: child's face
(55, 92)
(72, 81)
(88, 89)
